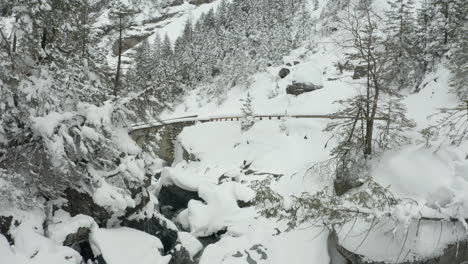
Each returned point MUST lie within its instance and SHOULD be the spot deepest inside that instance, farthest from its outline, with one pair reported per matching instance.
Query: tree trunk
(44, 39)
(119, 60)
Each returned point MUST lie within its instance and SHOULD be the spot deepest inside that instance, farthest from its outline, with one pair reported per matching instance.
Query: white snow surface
(190, 243)
(31, 245)
(219, 209)
(64, 225)
(125, 245)
(433, 178)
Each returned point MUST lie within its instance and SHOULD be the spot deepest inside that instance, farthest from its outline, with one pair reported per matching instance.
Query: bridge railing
(196, 118)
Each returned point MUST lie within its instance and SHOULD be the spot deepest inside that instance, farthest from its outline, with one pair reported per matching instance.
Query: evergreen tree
(248, 118)
(144, 66)
(402, 69)
(120, 13)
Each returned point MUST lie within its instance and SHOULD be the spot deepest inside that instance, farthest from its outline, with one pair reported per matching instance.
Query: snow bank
(126, 245)
(31, 246)
(437, 180)
(387, 241)
(219, 208)
(63, 225)
(46, 125)
(114, 198)
(190, 243)
(261, 241)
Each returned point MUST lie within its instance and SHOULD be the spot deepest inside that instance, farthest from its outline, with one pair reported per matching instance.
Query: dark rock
(288, 64)
(81, 235)
(86, 252)
(343, 184)
(143, 200)
(200, 2)
(180, 255)
(243, 204)
(127, 43)
(155, 226)
(82, 203)
(5, 226)
(284, 72)
(177, 3)
(176, 198)
(296, 62)
(207, 240)
(188, 156)
(360, 71)
(260, 249)
(300, 88)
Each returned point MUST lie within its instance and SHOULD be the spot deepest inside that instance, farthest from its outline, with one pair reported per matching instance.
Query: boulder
(82, 203)
(156, 226)
(173, 198)
(176, 2)
(127, 43)
(299, 88)
(359, 71)
(79, 236)
(288, 64)
(296, 62)
(200, 2)
(5, 225)
(207, 240)
(284, 72)
(180, 255)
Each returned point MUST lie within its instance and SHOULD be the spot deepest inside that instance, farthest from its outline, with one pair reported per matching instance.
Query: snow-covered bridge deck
(164, 132)
(218, 118)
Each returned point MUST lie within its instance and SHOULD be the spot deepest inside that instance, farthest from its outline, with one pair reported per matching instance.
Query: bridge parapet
(160, 136)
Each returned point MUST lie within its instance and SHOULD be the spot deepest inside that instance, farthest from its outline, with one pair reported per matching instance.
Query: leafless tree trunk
(119, 60)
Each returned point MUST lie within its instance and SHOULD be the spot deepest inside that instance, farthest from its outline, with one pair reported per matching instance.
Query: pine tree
(144, 66)
(248, 118)
(402, 71)
(120, 13)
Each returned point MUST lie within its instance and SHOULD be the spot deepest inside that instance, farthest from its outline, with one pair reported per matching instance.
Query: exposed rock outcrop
(5, 225)
(360, 71)
(297, 88)
(283, 73)
(180, 255)
(82, 203)
(155, 226)
(127, 43)
(173, 198)
(200, 2)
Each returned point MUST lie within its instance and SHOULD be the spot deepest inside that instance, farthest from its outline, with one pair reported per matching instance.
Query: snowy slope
(434, 178)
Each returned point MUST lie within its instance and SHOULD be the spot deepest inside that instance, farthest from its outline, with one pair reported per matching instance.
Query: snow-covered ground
(434, 178)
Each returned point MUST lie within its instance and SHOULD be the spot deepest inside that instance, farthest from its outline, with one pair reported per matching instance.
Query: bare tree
(120, 13)
(359, 136)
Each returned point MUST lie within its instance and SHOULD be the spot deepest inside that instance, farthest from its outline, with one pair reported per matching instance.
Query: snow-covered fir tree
(248, 115)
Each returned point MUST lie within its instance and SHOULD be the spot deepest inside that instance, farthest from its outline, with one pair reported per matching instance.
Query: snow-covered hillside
(352, 100)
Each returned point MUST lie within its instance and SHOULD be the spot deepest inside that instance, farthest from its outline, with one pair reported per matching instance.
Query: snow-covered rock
(125, 245)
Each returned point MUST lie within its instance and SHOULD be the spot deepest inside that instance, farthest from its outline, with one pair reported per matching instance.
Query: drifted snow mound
(430, 221)
(31, 246)
(387, 241)
(190, 243)
(436, 179)
(125, 245)
(66, 230)
(219, 208)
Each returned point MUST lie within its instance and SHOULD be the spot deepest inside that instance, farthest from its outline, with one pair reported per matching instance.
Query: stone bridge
(161, 136)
